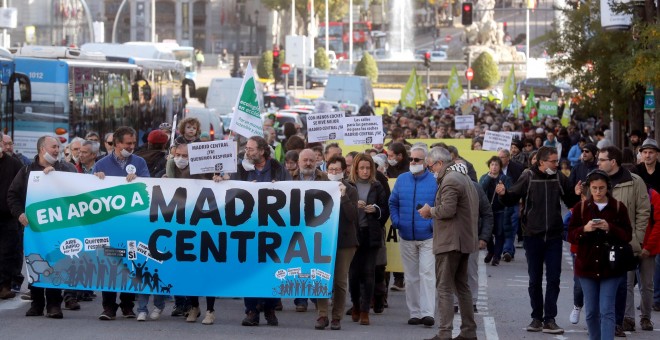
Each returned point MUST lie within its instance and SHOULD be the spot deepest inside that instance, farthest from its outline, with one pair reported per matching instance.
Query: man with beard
(636, 138)
(259, 166)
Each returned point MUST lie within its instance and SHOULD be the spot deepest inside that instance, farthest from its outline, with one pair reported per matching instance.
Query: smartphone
(596, 220)
(419, 206)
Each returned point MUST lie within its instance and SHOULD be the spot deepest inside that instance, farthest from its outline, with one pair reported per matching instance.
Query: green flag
(530, 107)
(246, 119)
(454, 86)
(412, 93)
(509, 90)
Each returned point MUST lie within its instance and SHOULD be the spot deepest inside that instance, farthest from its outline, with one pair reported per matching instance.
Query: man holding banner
(47, 160)
(258, 166)
(121, 162)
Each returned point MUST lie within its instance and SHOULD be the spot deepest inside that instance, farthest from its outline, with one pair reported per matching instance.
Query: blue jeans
(510, 238)
(599, 296)
(496, 246)
(538, 252)
(578, 295)
(656, 281)
(143, 300)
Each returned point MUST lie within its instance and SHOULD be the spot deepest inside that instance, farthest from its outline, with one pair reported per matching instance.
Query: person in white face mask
(397, 157)
(48, 149)
(541, 189)
(347, 243)
(74, 147)
(121, 162)
(415, 189)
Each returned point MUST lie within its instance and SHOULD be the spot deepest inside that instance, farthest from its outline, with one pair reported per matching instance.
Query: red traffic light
(427, 55)
(276, 53)
(467, 7)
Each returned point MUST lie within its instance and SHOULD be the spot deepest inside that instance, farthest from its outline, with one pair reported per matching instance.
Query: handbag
(622, 259)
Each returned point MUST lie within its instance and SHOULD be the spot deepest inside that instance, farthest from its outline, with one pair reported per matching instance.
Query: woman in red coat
(596, 224)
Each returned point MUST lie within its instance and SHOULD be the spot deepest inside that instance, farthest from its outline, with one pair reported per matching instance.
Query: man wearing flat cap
(648, 168)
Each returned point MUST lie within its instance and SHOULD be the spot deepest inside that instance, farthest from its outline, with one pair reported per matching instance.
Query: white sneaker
(575, 315)
(142, 316)
(155, 314)
(193, 314)
(209, 318)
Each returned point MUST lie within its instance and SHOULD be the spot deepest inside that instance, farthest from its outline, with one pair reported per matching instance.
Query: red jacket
(652, 235)
(592, 260)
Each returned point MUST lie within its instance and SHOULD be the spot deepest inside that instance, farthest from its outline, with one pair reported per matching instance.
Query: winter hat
(157, 137)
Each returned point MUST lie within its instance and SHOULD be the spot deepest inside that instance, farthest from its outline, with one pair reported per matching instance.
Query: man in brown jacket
(455, 217)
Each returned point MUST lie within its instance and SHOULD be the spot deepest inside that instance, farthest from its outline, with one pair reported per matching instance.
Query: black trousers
(127, 300)
(45, 297)
(9, 256)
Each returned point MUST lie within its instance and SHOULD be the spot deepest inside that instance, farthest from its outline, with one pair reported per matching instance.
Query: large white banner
(322, 127)
(212, 157)
(496, 141)
(363, 130)
(465, 122)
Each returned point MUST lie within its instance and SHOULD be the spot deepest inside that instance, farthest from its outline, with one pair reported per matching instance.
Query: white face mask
(436, 175)
(336, 177)
(318, 164)
(416, 168)
(125, 153)
(247, 165)
(392, 162)
(550, 171)
(181, 162)
(49, 158)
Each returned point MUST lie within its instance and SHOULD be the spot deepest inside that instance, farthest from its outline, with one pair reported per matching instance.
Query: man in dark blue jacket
(121, 162)
(414, 189)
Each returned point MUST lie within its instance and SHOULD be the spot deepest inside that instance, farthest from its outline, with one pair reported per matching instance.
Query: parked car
(282, 117)
(315, 77)
(278, 100)
(543, 87)
(438, 55)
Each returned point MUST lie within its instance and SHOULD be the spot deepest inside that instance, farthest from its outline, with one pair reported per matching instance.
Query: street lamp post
(256, 31)
(235, 72)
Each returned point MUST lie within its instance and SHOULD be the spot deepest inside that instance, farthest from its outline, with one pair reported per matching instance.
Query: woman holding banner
(373, 212)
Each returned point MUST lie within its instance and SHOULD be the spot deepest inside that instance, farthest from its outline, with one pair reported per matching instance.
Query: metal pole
(327, 28)
(350, 36)
(153, 21)
(527, 42)
(4, 30)
(293, 17)
(114, 25)
(90, 25)
(428, 80)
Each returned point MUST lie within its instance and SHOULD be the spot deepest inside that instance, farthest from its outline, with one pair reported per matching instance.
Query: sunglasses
(417, 160)
(66, 154)
(109, 143)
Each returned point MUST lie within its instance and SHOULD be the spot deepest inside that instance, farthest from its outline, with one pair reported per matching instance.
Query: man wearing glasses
(542, 189)
(586, 165)
(630, 190)
(107, 142)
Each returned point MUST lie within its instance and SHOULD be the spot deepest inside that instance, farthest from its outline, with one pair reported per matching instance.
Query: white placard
(496, 141)
(324, 126)
(363, 130)
(212, 157)
(465, 122)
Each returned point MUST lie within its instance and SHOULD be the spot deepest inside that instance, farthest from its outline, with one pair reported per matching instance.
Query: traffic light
(427, 59)
(277, 71)
(467, 14)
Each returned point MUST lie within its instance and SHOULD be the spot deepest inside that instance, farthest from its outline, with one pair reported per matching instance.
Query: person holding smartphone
(596, 224)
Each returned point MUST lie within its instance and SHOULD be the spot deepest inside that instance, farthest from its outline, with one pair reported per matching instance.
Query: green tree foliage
(321, 59)
(200, 94)
(367, 67)
(265, 65)
(486, 72)
(609, 68)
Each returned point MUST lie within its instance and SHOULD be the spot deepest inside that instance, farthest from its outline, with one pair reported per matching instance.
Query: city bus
(184, 54)
(11, 82)
(338, 37)
(74, 93)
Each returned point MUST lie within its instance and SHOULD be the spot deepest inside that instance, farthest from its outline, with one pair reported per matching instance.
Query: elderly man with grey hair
(74, 146)
(414, 189)
(455, 216)
(87, 157)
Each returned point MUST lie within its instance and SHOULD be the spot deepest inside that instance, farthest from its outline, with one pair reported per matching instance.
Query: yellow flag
(412, 93)
(454, 86)
(509, 90)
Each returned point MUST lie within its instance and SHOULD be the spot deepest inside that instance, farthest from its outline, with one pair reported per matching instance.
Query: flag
(246, 119)
(454, 86)
(412, 93)
(509, 90)
(530, 107)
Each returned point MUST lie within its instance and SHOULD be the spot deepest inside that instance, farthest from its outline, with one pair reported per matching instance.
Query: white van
(209, 120)
(349, 89)
(222, 94)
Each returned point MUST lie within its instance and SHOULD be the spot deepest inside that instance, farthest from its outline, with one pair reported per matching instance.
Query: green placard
(547, 108)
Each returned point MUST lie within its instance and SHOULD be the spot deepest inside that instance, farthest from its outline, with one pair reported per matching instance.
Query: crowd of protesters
(443, 211)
